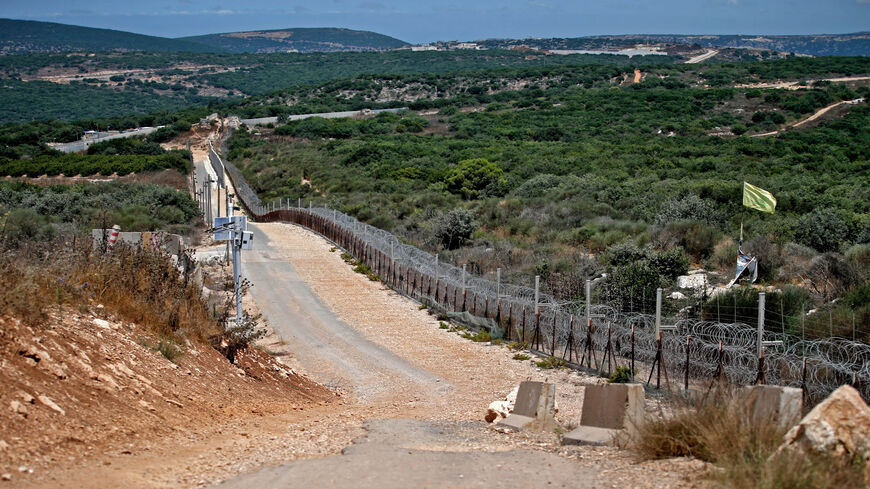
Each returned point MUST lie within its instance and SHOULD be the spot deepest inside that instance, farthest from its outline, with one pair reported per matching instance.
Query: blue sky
(423, 21)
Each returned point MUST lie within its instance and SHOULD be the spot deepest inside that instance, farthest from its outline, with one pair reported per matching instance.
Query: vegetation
(300, 39)
(742, 447)
(630, 173)
(85, 165)
(37, 212)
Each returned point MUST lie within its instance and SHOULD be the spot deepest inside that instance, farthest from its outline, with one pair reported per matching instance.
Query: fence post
(537, 293)
(498, 288)
(299, 203)
(658, 311)
(759, 346)
(588, 303)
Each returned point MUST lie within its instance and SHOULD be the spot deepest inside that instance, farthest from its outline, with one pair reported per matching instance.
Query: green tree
(469, 177)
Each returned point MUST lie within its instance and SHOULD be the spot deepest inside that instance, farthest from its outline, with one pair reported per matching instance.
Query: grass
(622, 375)
(551, 362)
(518, 345)
(481, 336)
(359, 267)
(742, 449)
(443, 325)
(138, 285)
(521, 356)
(169, 350)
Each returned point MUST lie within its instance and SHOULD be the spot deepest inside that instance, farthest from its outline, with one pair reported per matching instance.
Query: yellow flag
(757, 198)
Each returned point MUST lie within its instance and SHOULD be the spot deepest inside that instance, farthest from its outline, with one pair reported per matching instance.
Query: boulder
(839, 425)
(500, 409)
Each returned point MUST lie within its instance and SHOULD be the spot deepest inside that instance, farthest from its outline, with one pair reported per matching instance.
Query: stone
(18, 408)
(677, 296)
(51, 404)
(535, 408)
(27, 398)
(590, 435)
(502, 408)
(3, 445)
(773, 403)
(839, 425)
(6, 477)
(696, 282)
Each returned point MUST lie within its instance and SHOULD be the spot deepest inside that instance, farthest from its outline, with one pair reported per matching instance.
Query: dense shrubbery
(35, 210)
(85, 165)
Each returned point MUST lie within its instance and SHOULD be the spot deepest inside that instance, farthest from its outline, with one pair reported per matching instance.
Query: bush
(469, 177)
(721, 430)
(453, 229)
(822, 230)
(622, 375)
(688, 208)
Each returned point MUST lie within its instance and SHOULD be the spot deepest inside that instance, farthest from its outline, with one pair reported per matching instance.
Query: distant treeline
(85, 165)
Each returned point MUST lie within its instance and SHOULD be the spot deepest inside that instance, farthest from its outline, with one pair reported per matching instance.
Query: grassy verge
(138, 285)
(743, 450)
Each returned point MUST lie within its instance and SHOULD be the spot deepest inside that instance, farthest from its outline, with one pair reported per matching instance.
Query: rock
(3, 445)
(6, 477)
(48, 402)
(102, 323)
(697, 281)
(18, 408)
(27, 398)
(677, 296)
(839, 425)
(500, 409)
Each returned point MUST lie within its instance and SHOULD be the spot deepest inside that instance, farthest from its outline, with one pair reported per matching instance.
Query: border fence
(685, 353)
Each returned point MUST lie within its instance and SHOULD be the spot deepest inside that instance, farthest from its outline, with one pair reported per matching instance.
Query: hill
(301, 40)
(856, 44)
(27, 36)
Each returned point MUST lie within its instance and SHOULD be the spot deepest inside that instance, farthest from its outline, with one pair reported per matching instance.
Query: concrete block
(591, 435)
(535, 408)
(514, 422)
(613, 406)
(774, 403)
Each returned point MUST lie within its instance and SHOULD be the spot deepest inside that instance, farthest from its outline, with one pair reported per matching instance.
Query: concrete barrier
(766, 403)
(535, 408)
(170, 243)
(609, 411)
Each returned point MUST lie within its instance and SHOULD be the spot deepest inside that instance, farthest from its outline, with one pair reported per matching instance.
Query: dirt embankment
(92, 387)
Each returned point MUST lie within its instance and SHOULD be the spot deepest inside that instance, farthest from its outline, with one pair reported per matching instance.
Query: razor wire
(703, 348)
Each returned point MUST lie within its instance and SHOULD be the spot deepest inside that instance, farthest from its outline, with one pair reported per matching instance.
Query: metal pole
(299, 203)
(588, 303)
(759, 344)
(436, 267)
(658, 311)
(237, 273)
(463, 277)
(498, 283)
(537, 293)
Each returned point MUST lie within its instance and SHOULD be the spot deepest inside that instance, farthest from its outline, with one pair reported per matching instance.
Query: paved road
(404, 454)
(76, 146)
(336, 354)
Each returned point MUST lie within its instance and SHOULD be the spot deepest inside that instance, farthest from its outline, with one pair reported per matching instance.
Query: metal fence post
(759, 346)
(658, 311)
(498, 285)
(537, 293)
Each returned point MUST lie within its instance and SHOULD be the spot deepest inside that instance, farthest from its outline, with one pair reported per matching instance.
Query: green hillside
(302, 40)
(26, 36)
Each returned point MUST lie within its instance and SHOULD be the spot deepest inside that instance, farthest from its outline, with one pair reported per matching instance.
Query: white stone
(678, 296)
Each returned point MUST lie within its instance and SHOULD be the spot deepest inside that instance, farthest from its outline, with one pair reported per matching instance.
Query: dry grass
(720, 430)
(138, 285)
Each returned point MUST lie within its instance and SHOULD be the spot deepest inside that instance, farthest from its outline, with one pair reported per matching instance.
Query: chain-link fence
(684, 352)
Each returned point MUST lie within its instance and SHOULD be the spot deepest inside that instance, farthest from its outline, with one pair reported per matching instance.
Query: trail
(811, 118)
(702, 57)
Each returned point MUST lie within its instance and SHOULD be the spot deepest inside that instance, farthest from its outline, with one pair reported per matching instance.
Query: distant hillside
(301, 40)
(26, 36)
(857, 44)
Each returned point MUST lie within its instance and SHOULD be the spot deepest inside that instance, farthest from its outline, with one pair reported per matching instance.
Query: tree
(455, 228)
(469, 177)
(822, 229)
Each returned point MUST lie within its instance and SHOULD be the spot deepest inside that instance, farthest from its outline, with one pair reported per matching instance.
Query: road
(702, 57)
(811, 118)
(336, 354)
(82, 145)
(325, 115)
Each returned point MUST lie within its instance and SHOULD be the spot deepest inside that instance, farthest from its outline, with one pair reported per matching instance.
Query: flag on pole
(758, 198)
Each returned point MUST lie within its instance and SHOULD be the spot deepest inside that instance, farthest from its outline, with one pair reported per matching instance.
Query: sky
(465, 20)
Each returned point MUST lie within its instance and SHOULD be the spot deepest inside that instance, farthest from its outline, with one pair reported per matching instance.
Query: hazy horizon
(444, 20)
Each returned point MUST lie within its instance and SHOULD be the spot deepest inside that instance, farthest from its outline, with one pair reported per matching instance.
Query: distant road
(702, 57)
(325, 115)
(76, 146)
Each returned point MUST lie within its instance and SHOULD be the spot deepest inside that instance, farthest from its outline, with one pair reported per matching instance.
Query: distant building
(424, 47)
(467, 45)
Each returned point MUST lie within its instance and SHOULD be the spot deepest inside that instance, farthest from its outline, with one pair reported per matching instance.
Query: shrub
(521, 356)
(688, 208)
(622, 375)
(721, 430)
(823, 230)
(671, 263)
(551, 362)
(469, 177)
(454, 228)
